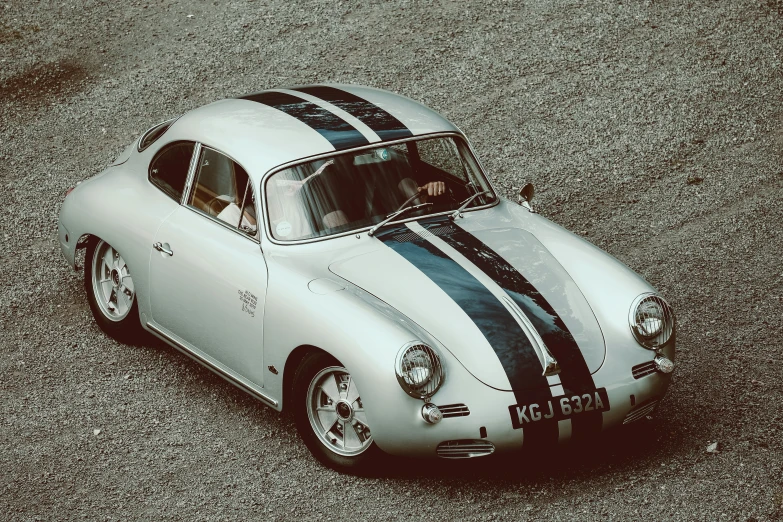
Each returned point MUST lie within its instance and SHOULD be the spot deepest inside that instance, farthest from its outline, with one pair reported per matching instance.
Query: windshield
(360, 189)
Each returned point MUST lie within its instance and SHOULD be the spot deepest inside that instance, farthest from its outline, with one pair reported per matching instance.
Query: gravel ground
(654, 129)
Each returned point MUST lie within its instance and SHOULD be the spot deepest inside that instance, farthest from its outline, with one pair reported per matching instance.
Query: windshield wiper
(393, 215)
(458, 213)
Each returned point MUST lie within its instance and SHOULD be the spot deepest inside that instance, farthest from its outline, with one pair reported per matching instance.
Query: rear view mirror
(526, 196)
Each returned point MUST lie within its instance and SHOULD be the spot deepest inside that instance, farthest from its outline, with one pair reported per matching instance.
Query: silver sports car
(339, 251)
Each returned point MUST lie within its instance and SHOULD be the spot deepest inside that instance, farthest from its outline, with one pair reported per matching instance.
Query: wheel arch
(367, 347)
(71, 251)
(85, 239)
(293, 361)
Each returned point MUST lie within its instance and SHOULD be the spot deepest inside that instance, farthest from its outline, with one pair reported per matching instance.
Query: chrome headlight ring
(419, 370)
(651, 320)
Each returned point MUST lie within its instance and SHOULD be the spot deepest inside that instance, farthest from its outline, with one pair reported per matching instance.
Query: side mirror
(526, 196)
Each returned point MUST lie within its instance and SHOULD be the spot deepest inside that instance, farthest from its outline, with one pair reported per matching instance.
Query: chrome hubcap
(344, 410)
(111, 282)
(336, 412)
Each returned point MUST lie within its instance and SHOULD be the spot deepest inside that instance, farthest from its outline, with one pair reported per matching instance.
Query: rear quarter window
(169, 168)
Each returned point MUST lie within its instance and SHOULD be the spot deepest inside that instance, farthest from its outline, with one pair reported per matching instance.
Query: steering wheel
(211, 205)
(420, 192)
(451, 194)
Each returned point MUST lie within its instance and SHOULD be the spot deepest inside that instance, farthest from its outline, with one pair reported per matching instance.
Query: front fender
(609, 286)
(360, 331)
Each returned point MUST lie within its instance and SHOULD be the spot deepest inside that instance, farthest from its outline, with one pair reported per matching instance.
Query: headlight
(652, 320)
(419, 370)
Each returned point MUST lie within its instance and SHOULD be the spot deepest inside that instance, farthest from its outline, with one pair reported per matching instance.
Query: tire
(329, 415)
(111, 292)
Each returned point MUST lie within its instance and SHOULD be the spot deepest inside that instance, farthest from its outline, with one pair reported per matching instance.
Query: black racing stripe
(386, 126)
(518, 357)
(339, 132)
(575, 375)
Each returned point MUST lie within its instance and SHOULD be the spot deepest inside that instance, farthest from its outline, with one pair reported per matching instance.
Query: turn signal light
(431, 413)
(663, 364)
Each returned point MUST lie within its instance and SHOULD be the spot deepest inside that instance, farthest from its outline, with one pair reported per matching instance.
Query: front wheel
(330, 415)
(111, 292)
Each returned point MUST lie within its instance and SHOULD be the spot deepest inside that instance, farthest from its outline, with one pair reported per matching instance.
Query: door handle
(160, 248)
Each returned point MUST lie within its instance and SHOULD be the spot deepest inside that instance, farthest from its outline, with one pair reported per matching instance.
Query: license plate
(558, 408)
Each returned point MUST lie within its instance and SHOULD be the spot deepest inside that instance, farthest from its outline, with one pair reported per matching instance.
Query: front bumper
(489, 420)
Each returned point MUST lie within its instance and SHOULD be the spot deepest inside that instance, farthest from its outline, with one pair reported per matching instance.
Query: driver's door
(208, 276)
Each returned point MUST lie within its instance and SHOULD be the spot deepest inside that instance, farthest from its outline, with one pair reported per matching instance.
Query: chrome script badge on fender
(559, 408)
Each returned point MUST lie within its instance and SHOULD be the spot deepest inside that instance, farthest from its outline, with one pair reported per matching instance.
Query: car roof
(267, 129)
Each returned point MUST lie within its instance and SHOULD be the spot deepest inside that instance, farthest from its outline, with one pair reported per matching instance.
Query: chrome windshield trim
(267, 224)
(235, 380)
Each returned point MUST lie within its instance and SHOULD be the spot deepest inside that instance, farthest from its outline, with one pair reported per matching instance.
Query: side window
(169, 168)
(222, 189)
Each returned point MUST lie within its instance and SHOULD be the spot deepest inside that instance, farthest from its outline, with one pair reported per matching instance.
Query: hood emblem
(548, 362)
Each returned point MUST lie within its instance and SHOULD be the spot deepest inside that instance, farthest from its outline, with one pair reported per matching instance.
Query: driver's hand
(434, 188)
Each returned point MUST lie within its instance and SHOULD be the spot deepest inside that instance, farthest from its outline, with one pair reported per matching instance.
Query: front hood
(468, 289)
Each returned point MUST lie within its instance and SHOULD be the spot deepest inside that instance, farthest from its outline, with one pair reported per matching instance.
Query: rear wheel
(111, 292)
(330, 415)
